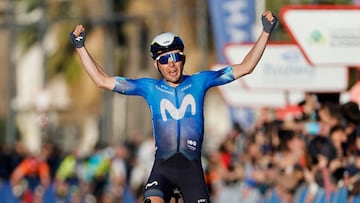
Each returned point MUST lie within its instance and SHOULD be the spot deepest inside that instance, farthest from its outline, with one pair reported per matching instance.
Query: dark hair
(285, 136)
(351, 112)
(321, 145)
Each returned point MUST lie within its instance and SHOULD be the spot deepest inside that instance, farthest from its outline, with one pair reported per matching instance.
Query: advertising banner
(283, 67)
(232, 21)
(236, 95)
(326, 35)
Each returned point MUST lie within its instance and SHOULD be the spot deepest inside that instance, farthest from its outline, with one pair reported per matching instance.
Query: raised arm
(94, 70)
(253, 57)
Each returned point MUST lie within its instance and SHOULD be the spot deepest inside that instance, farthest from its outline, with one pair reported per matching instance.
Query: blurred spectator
(54, 157)
(322, 153)
(310, 106)
(5, 170)
(95, 170)
(143, 165)
(31, 176)
(330, 115)
(351, 115)
(117, 180)
(66, 179)
(312, 158)
(17, 154)
(239, 182)
(289, 159)
(338, 137)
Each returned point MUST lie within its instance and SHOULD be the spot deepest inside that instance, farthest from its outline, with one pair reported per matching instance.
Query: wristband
(268, 26)
(78, 41)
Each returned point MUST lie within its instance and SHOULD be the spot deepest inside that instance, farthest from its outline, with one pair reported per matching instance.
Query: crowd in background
(311, 157)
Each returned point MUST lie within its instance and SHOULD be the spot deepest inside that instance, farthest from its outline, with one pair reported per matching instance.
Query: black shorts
(177, 171)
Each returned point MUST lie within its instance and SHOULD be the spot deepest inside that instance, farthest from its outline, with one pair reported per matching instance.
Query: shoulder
(137, 80)
(215, 72)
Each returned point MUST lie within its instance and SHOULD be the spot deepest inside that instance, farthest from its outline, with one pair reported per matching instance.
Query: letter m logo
(177, 114)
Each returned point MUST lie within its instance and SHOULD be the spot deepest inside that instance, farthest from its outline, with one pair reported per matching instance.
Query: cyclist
(176, 104)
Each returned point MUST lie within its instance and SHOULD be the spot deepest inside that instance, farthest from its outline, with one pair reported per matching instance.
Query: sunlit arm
(252, 58)
(96, 73)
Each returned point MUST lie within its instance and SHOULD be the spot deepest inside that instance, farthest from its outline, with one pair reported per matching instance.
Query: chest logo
(177, 113)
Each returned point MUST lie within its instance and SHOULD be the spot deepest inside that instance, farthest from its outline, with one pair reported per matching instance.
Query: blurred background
(46, 97)
(46, 94)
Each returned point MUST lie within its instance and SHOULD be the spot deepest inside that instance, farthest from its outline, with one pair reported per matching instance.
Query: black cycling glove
(268, 26)
(79, 41)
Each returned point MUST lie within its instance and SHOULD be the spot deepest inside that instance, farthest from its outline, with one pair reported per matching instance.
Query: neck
(176, 83)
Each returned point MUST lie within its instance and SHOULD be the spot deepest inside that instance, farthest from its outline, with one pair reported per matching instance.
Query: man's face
(170, 65)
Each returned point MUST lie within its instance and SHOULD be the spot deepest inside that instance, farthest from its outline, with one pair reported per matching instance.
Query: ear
(155, 64)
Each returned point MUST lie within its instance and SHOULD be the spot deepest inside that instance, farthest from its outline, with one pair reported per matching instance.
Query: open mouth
(173, 72)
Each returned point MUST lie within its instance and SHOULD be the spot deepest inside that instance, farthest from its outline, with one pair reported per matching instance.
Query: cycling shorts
(177, 172)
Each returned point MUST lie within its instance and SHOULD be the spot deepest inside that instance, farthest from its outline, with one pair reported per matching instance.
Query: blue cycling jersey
(177, 113)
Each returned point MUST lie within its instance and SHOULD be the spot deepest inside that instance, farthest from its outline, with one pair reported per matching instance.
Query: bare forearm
(252, 58)
(96, 73)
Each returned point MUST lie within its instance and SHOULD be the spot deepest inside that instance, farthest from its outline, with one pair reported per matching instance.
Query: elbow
(251, 69)
(249, 72)
(103, 83)
(99, 85)
(244, 68)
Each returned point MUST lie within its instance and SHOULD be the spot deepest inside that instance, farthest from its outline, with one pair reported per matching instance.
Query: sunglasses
(164, 59)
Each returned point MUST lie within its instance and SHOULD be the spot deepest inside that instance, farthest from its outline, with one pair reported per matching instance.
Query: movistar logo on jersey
(177, 113)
